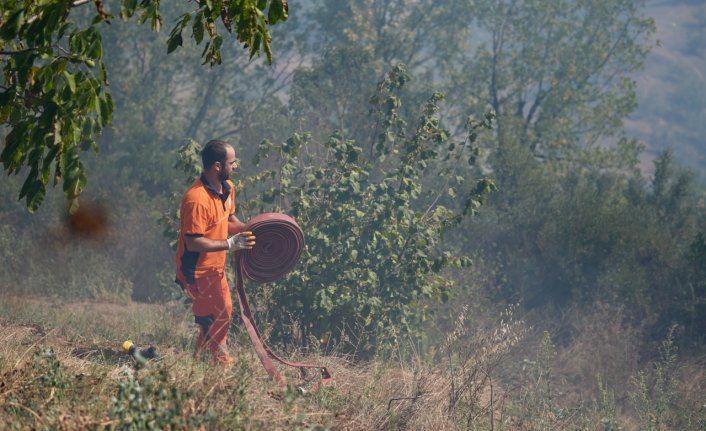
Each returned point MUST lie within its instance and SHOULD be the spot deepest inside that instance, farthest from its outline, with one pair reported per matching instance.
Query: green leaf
(198, 28)
(35, 195)
(95, 48)
(70, 81)
(268, 48)
(14, 152)
(103, 76)
(277, 12)
(174, 42)
(11, 27)
(127, 8)
(106, 109)
(205, 54)
(255, 48)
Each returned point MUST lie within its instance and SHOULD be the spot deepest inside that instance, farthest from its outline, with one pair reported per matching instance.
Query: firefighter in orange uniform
(207, 216)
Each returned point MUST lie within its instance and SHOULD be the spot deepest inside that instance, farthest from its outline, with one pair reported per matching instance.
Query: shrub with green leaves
(375, 254)
(36, 386)
(151, 401)
(654, 393)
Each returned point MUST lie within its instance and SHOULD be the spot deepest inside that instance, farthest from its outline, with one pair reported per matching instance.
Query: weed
(238, 417)
(152, 401)
(472, 360)
(606, 407)
(48, 368)
(537, 408)
(654, 394)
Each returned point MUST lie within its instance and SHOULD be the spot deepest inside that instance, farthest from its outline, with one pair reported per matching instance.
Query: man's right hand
(241, 241)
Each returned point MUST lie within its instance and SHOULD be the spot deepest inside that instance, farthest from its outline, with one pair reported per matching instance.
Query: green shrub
(149, 400)
(374, 229)
(654, 393)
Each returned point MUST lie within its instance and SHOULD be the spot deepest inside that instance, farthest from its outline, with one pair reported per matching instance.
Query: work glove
(241, 241)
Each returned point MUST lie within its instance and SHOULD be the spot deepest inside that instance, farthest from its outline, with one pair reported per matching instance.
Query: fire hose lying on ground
(280, 242)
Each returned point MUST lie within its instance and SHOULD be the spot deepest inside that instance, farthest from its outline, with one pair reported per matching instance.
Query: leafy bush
(36, 387)
(152, 402)
(375, 252)
(654, 394)
(573, 232)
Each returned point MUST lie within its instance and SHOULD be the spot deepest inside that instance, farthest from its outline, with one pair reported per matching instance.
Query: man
(207, 216)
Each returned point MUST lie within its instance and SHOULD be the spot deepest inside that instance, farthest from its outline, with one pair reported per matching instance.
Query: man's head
(219, 156)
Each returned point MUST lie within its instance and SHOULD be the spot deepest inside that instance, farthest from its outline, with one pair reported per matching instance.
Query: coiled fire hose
(280, 242)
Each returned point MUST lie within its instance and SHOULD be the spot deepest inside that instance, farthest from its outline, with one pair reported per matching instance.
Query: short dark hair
(214, 151)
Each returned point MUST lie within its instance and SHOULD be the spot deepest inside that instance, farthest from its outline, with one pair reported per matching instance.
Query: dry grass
(358, 400)
(86, 339)
(602, 346)
(468, 386)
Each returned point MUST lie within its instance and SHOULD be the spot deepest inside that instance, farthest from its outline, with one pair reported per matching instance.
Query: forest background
(448, 162)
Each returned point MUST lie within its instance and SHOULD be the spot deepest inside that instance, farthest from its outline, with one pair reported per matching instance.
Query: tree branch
(22, 51)
(194, 126)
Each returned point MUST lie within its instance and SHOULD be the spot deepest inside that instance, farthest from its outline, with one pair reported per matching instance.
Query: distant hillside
(672, 87)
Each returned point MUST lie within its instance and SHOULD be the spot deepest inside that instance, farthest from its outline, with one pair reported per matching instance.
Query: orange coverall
(205, 212)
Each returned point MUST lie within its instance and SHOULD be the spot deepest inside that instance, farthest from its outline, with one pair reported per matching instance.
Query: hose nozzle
(127, 345)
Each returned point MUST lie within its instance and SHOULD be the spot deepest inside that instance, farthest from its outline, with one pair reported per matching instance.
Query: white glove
(241, 241)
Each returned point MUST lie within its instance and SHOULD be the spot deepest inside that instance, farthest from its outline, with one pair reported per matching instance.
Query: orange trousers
(213, 311)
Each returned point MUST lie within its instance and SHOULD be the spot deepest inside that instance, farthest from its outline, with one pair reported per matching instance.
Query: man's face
(229, 166)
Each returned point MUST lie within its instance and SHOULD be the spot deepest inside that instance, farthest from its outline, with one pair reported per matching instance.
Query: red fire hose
(280, 242)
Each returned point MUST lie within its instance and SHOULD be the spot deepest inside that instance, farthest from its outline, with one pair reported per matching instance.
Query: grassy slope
(521, 385)
(86, 339)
